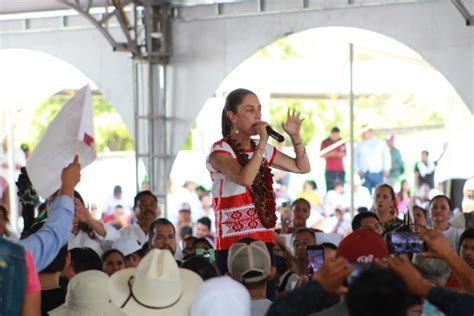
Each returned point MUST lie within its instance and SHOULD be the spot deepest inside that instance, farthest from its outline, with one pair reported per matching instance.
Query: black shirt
(50, 299)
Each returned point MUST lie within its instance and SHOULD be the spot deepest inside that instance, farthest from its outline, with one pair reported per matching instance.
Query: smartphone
(314, 259)
(357, 269)
(405, 242)
(209, 255)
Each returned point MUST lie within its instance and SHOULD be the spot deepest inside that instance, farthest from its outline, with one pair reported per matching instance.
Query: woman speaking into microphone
(242, 184)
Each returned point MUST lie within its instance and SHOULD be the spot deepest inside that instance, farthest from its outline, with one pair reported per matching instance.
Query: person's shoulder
(458, 220)
(326, 142)
(455, 230)
(126, 230)
(220, 142)
(261, 305)
(221, 146)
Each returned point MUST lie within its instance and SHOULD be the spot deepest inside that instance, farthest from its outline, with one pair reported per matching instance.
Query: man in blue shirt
(372, 160)
(46, 243)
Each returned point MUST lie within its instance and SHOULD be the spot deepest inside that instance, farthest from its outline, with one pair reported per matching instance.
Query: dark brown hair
(233, 100)
(392, 194)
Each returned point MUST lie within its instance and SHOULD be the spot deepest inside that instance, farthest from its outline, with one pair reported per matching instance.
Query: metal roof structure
(23, 6)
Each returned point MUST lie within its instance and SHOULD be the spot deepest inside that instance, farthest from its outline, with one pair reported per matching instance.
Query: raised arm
(447, 301)
(417, 177)
(84, 216)
(44, 245)
(445, 146)
(299, 164)
(312, 295)
(440, 247)
(231, 168)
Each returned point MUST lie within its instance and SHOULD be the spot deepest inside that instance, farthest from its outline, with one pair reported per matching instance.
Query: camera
(209, 255)
(405, 242)
(314, 259)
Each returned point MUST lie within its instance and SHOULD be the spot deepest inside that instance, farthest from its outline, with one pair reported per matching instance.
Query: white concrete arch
(86, 50)
(28, 77)
(205, 51)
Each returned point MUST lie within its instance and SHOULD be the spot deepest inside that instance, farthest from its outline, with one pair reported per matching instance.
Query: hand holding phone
(209, 254)
(332, 275)
(405, 242)
(314, 259)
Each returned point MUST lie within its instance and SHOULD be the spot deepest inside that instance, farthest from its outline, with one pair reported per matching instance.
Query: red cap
(363, 245)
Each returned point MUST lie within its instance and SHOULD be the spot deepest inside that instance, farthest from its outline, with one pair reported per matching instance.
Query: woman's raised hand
(292, 126)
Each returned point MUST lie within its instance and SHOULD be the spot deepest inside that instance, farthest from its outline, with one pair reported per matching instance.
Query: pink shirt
(32, 280)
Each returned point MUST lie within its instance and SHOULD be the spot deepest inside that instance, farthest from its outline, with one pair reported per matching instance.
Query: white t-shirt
(99, 244)
(453, 234)
(112, 202)
(260, 307)
(134, 231)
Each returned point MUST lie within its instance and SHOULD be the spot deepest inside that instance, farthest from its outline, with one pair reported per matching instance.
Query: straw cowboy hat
(87, 294)
(156, 287)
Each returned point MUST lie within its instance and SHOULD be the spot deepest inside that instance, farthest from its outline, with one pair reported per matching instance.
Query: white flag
(70, 133)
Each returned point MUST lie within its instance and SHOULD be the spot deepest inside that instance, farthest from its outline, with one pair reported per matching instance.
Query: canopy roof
(23, 6)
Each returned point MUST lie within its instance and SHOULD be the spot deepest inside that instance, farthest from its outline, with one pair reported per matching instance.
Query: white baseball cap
(126, 245)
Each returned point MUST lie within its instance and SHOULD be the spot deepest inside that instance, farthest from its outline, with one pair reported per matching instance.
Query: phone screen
(405, 242)
(314, 259)
(209, 254)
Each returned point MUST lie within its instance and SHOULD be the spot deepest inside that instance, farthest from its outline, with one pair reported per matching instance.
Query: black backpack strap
(283, 284)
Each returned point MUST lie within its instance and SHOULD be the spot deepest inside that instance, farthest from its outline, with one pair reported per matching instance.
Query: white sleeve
(110, 232)
(270, 153)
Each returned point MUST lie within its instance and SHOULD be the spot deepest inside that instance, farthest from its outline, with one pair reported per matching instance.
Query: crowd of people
(241, 253)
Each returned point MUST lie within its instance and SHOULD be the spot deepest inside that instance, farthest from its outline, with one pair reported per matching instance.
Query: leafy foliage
(280, 49)
(188, 142)
(379, 111)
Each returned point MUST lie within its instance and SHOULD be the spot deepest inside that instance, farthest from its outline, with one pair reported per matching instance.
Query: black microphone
(279, 138)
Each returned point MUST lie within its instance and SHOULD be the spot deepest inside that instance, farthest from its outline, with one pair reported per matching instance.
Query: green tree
(279, 112)
(188, 142)
(280, 49)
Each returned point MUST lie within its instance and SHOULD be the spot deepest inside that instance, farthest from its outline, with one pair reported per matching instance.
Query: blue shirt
(12, 277)
(372, 155)
(45, 244)
(451, 303)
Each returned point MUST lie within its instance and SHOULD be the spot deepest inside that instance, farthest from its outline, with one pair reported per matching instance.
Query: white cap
(126, 245)
(221, 296)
